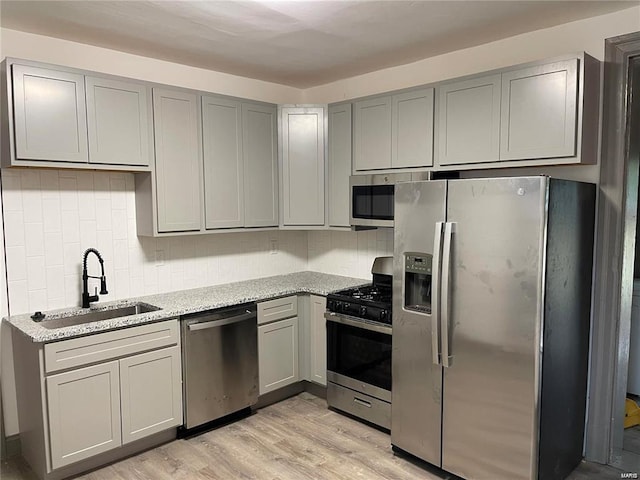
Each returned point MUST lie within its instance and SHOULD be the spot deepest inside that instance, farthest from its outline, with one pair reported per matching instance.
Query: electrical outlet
(274, 246)
(159, 258)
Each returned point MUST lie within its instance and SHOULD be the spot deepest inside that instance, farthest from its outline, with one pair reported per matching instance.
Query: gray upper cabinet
(339, 164)
(118, 121)
(223, 163)
(412, 129)
(303, 166)
(469, 121)
(372, 134)
(394, 131)
(260, 165)
(178, 161)
(539, 111)
(49, 115)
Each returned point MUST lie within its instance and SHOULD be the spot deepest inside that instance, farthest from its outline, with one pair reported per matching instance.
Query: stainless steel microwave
(371, 199)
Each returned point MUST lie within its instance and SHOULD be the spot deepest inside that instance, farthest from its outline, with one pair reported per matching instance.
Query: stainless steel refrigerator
(491, 313)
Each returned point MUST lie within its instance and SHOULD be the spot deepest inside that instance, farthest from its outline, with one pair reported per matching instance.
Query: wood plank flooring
(296, 439)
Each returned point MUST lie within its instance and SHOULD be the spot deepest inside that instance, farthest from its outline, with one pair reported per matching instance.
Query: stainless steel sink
(97, 315)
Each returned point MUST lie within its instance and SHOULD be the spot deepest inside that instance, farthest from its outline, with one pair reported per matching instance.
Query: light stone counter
(184, 302)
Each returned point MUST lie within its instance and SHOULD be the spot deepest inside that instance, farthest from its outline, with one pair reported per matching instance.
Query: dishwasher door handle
(223, 321)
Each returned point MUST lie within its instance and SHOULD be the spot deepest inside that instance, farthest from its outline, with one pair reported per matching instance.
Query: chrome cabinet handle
(361, 402)
(447, 357)
(435, 294)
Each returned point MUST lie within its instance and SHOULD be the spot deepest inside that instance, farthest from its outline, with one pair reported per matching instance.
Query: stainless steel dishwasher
(220, 363)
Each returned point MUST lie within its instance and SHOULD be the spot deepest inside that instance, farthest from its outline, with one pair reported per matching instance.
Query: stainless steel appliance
(220, 363)
(491, 306)
(371, 199)
(359, 347)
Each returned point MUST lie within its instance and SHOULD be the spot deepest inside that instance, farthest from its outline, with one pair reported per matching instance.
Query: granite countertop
(183, 302)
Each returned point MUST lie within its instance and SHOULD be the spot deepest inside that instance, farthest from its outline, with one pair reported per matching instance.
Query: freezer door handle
(435, 294)
(445, 307)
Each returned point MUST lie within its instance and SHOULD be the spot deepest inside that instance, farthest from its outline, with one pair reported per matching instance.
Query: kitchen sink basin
(97, 315)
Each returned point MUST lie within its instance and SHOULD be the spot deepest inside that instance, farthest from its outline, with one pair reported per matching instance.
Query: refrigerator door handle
(435, 294)
(447, 357)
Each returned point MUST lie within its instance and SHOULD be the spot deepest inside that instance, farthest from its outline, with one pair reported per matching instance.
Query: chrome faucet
(86, 298)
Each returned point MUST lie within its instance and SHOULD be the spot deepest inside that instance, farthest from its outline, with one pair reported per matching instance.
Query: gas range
(369, 302)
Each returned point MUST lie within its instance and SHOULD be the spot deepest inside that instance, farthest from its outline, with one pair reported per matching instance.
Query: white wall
(77, 55)
(584, 35)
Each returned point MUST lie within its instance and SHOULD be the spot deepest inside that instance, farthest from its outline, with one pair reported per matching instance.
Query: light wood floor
(296, 439)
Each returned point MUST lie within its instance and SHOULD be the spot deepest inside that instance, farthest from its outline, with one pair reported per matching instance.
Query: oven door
(359, 355)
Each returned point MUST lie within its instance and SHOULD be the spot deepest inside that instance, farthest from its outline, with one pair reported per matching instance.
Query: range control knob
(346, 306)
(384, 315)
(363, 311)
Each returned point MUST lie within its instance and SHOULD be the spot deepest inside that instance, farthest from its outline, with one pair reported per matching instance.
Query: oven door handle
(357, 323)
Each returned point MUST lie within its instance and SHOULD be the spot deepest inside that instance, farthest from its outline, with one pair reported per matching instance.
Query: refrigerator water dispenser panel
(417, 282)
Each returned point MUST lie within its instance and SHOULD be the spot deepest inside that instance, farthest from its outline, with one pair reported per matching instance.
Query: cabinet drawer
(363, 406)
(106, 346)
(277, 309)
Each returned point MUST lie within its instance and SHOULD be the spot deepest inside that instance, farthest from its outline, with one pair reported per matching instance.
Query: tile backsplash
(52, 216)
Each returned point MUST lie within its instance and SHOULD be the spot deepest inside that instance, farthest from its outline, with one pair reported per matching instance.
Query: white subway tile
(136, 285)
(120, 223)
(55, 282)
(118, 193)
(59, 302)
(103, 213)
(120, 255)
(73, 258)
(88, 233)
(122, 284)
(11, 192)
(68, 193)
(70, 226)
(86, 205)
(53, 249)
(73, 290)
(101, 185)
(36, 273)
(18, 297)
(37, 300)
(14, 228)
(50, 184)
(51, 214)
(16, 263)
(32, 206)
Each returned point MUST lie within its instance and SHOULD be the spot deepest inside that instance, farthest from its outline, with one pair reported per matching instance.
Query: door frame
(614, 253)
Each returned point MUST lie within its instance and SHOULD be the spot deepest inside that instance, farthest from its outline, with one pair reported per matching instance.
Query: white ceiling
(296, 43)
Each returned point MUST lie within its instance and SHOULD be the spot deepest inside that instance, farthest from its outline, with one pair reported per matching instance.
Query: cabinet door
(260, 165)
(339, 164)
(469, 121)
(539, 111)
(412, 129)
(223, 167)
(151, 391)
(177, 160)
(372, 134)
(278, 354)
(118, 121)
(318, 333)
(84, 413)
(303, 166)
(50, 115)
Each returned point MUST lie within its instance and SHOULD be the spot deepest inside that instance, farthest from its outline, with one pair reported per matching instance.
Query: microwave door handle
(447, 357)
(435, 294)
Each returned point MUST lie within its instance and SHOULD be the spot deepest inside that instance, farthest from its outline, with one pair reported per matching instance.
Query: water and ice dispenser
(417, 282)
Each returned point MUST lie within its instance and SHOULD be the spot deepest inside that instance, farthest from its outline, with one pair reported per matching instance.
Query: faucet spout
(86, 298)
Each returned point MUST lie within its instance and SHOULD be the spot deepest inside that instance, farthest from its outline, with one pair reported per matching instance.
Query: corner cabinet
(302, 166)
(65, 118)
(278, 343)
(86, 396)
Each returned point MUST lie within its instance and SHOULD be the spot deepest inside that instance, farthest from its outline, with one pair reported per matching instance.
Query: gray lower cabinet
(151, 393)
(469, 121)
(119, 122)
(278, 354)
(539, 111)
(84, 413)
(259, 146)
(50, 119)
(223, 163)
(317, 340)
(178, 161)
(339, 164)
(303, 166)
